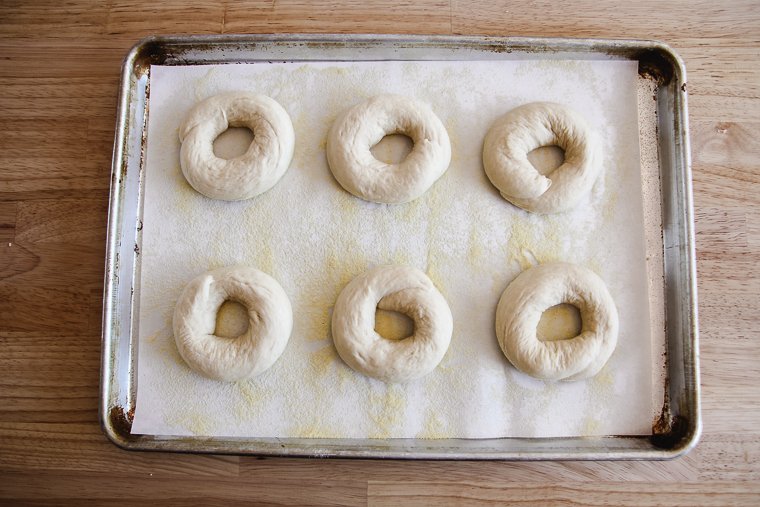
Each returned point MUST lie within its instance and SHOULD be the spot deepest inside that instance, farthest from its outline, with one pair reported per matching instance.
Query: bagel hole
(393, 325)
(231, 320)
(393, 148)
(560, 322)
(546, 159)
(233, 142)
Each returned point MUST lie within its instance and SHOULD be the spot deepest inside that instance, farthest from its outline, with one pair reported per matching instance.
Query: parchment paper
(313, 237)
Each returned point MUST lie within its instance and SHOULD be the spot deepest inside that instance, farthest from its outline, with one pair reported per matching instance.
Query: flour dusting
(313, 238)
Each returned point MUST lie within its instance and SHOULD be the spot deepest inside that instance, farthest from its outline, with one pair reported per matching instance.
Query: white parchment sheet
(314, 237)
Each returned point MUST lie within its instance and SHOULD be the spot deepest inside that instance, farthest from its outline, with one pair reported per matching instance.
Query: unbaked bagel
(270, 321)
(397, 288)
(364, 125)
(531, 126)
(538, 289)
(250, 174)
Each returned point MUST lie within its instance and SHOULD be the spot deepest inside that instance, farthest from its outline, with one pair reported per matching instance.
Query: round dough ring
(533, 292)
(364, 125)
(397, 288)
(531, 126)
(250, 174)
(270, 321)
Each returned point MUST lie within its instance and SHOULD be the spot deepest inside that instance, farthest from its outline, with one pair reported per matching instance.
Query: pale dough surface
(533, 292)
(530, 126)
(270, 321)
(364, 125)
(398, 288)
(252, 173)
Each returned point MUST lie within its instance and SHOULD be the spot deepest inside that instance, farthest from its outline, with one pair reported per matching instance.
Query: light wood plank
(7, 222)
(134, 18)
(559, 493)
(647, 19)
(80, 447)
(461, 471)
(725, 166)
(344, 16)
(79, 20)
(69, 221)
(72, 489)
(729, 456)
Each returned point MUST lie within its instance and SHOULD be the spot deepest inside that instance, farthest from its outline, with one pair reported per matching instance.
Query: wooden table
(59, 73)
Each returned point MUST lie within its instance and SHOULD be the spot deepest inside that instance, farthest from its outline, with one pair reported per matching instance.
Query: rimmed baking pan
(674, 432)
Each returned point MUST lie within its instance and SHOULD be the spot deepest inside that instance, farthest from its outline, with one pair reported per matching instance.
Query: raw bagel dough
(270, 320)
(533, 292)
(397, 288)
(522, 130)
(363, 126)
(250, 174)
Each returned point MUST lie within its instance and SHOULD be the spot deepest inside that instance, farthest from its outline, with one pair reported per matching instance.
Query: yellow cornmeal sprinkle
(248, 401)
(475, 251)
(451, 128)
(593, 265)
(197, 424)
(317, 304)
(341, 269)
(307, 421)
(544, 245)
(610, 196)
(609, 207)
(434, 427)
(604, 377)
(437, 198)
(154, 337)
(381, 231)
(519, 396)
(249, 393)
(167, 347)
(321, 360)
(265, 258)
(590, 427)
(520, 237)
(409, 212)
(400, 257)
(184, 195)
(434, 272)
(200, 425)
(260, 212)
(445, 364)
(319, 317)
(318, 297)
(386, 411)
(343, 372)
(348, 204)
(314, 429)
(335, 71)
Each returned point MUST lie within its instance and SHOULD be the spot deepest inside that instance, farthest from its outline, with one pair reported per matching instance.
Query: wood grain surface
(59, 74)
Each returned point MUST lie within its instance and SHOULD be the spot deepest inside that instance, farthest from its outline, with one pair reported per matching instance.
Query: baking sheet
(314, 237)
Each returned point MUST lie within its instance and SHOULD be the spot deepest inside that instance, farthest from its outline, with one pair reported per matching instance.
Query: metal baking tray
(674, 433)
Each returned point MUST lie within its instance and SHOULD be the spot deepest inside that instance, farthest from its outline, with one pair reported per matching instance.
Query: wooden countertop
(59, 73)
